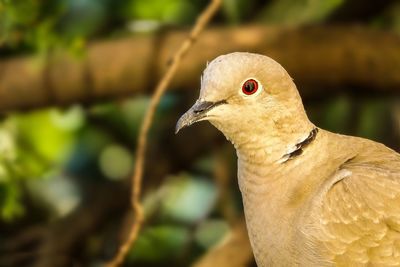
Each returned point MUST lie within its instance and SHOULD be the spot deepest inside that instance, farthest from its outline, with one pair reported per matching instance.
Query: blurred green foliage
(173, 11)
(40, 26)
(299, 12)
(160, 244)
(48, 154)
(32, 145)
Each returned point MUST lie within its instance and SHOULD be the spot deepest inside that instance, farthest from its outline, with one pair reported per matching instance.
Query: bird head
(246, 96)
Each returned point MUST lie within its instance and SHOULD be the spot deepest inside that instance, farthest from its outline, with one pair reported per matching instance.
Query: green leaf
(170, 11)
(299, 12)
(336, 114)
(159, 243)
(210, 232)
(374, 113)
(187, 199)
(10, 202)
(236, 10)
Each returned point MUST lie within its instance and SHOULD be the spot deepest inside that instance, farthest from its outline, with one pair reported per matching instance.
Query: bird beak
(196, 113)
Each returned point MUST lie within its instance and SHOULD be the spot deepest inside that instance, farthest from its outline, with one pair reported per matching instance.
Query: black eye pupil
(249, 87)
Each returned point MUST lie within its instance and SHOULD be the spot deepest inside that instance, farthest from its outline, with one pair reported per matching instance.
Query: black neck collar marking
(299, 147)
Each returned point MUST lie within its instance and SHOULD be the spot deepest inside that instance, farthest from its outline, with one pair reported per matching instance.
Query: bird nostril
(198, 110)
(206, 105)
(202, 106)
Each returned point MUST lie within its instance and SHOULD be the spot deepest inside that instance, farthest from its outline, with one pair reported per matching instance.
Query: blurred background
(75, 82)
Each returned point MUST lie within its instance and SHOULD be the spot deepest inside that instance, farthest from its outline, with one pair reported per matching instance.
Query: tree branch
(318, 58)
(136, 180)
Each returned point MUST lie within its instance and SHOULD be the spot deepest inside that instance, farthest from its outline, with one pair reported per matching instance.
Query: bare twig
(201, 22)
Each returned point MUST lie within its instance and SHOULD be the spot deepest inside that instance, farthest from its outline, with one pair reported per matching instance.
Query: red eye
(249, 87)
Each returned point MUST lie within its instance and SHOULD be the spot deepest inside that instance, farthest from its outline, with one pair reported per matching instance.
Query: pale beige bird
(311, 197)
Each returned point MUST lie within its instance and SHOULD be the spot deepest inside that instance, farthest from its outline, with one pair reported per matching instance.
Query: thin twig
(162, 86)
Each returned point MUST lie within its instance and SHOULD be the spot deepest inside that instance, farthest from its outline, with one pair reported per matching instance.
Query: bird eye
(249, 87)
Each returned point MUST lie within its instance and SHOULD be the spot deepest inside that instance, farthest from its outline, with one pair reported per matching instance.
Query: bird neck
(268, 144)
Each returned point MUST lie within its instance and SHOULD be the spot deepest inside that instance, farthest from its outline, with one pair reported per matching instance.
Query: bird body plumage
(326, 210)
(337, 203)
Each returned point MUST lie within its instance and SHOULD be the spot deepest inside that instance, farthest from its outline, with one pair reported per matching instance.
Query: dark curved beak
(197, 112)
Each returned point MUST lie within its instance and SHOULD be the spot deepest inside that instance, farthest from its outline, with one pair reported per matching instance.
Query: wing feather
(360, 214)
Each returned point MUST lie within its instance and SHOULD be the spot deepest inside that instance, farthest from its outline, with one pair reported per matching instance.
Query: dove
(311, 197)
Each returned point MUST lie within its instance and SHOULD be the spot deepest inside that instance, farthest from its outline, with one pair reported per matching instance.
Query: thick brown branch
(317, 58)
